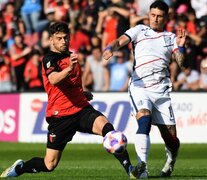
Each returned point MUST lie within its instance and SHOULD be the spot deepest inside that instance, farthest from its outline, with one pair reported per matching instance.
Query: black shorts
(62, 129)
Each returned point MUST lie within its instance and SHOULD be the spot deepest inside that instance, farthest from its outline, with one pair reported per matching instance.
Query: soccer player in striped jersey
(150, 82)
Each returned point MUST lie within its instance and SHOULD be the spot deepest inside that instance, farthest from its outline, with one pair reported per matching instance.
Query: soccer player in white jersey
(150, 83)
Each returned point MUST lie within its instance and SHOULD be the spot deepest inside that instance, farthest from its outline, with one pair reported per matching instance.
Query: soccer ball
(115, 142)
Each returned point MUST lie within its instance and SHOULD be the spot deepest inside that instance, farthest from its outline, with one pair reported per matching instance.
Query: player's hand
(73, 60)
(107, 54)
(181, 37)
(88, 95)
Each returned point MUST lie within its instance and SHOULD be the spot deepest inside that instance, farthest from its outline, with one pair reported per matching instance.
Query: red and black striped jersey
(65, 98)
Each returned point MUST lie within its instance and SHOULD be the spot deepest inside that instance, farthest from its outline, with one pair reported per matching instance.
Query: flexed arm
(180, 39)
(115, 45)
(56, 77)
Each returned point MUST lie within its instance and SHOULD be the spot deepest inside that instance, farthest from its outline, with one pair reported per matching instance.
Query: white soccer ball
(115, 142)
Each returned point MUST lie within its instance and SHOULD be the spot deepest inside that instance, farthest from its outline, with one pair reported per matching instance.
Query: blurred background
(93, 24)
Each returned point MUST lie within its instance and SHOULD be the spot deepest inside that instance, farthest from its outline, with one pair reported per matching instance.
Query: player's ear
(51, 39)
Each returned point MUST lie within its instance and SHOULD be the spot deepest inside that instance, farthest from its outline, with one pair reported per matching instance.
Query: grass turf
(91, 161)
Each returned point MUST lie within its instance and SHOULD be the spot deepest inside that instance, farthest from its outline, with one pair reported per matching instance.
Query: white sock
(170, 155)
(142, 146)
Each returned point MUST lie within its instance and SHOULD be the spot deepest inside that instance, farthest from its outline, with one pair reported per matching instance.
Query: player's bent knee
(50, 167)
(142, 112)
(144, 124)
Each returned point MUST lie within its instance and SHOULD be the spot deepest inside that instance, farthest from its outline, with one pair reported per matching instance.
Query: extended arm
(115, 45)
(180, 39)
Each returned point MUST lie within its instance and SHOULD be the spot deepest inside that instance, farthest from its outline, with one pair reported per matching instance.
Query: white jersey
(152, 54)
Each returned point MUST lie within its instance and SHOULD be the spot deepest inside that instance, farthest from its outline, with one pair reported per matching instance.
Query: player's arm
(86, 72)
(56, 77)
(114, 46)
(180, 40)
(88, 95)
(179, 57)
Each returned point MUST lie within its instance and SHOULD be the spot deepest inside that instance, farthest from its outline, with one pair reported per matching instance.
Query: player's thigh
(139, 100)
(61, 131)
(162, 112)
(92, 121)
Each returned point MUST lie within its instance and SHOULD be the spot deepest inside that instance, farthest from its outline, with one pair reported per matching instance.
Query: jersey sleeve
(49, 65)
(133, 32)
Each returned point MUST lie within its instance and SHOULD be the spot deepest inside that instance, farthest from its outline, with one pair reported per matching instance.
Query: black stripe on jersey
(128, 37)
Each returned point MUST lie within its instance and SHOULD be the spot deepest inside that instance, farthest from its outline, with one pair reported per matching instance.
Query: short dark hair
(161, 5)
(58, 27)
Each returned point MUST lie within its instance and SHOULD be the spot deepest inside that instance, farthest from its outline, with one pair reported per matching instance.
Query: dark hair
(58, 27)
(161, 5)
(191, 11)
(17, 33)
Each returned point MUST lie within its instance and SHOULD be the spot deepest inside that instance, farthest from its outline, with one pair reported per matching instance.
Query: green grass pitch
(91, 161)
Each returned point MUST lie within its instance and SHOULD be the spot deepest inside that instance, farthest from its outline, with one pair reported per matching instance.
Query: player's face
(59, 42)
(157, 19)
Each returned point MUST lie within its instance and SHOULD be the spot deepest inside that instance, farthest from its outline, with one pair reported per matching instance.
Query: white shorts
(158, 103)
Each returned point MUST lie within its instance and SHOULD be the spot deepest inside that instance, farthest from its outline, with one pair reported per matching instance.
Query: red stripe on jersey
(149, 38)
(148, 62)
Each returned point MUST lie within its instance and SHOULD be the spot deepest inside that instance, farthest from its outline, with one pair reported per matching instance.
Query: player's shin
(33, 165)
(142, 139)
(172, 145)
(123, 157)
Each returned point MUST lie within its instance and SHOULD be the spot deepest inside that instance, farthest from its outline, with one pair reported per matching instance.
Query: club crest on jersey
(52, 137)
(48, 64)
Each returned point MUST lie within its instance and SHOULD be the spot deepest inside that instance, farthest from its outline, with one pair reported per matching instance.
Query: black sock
(107, 128)
(34, 165)
(124, 160)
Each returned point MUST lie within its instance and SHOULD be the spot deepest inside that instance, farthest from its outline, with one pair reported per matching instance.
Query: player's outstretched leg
(10, 171)
(34, 165)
